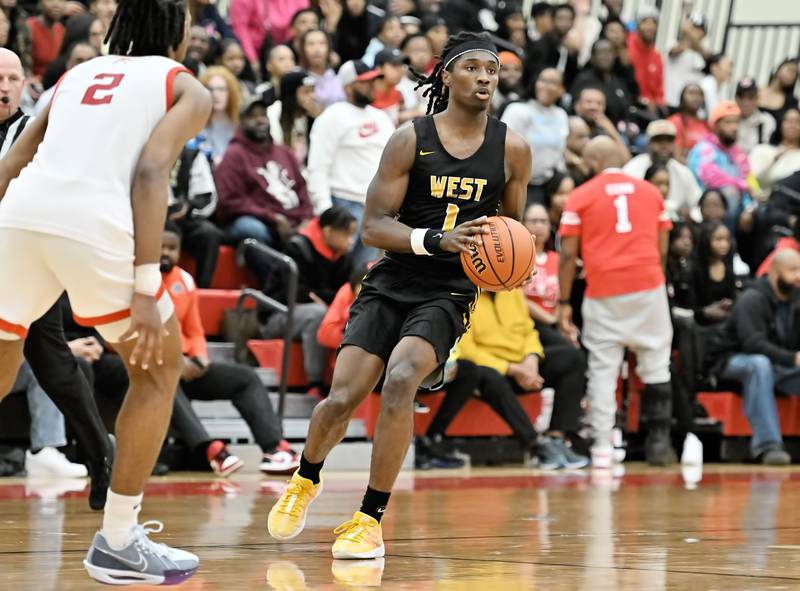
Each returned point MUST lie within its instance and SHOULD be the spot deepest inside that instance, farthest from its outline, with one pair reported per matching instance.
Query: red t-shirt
(618, 219)
(648, 67)
(46, 43)
(689, 130)
(543, 289)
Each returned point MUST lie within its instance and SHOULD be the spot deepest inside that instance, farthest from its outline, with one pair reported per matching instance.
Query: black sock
(309, 470)
(374, 503)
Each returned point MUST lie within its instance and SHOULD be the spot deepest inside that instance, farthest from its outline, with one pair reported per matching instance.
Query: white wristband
(147, 279)
(418, 242)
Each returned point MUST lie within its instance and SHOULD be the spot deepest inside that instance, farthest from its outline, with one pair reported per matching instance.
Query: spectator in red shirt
(647, 62)
(690, 128)
(542, 292)
(47, 34)
(621, 227)
(387, 97)
(205, 380)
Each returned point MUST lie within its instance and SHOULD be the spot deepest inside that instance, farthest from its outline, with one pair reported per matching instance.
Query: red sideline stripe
(171, 80)
(113, 316)
(16, 329)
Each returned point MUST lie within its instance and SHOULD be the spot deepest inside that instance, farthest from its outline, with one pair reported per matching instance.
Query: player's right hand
(146, 323)
(460, 238)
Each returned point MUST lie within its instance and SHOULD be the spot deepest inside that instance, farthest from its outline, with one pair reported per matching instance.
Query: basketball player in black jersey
(438, 180)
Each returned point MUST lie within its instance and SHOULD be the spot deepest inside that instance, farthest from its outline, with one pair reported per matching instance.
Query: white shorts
(36, 268)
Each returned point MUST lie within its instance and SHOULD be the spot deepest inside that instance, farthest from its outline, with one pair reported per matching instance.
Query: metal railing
(274, 305)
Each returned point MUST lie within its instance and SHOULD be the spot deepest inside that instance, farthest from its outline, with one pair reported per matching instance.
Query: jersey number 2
(101, 94)
(623, 221)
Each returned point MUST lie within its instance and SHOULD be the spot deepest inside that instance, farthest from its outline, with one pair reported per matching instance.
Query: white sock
(119, 518)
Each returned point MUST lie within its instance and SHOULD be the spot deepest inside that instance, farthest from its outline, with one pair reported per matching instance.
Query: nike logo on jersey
(424, 153)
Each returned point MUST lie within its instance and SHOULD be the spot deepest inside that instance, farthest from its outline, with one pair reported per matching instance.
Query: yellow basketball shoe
(361, 537)
(288, 516)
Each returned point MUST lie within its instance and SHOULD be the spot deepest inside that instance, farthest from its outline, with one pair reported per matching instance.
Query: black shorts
(395, 303)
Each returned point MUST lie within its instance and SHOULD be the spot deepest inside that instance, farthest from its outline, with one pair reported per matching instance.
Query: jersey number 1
(101, 94)
(450, 217)
(623, 221)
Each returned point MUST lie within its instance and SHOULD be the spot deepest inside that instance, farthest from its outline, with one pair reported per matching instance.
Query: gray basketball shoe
(141, 562)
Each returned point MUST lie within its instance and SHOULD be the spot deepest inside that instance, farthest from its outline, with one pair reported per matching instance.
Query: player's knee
(401, 384)
(341, 403)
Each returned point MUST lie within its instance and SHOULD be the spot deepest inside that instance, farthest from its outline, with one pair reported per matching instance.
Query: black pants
(563, 369)
(202, 239)
(57, 372)
(110, 381)
(244, 389)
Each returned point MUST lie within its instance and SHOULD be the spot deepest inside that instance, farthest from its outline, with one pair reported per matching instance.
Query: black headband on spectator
(467, 46)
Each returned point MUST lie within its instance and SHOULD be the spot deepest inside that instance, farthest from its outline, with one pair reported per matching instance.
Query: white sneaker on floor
(51, 462)
(692, 450)
(602, 457)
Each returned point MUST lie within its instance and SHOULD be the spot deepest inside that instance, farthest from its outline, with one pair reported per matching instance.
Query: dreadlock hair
(438, 94)
(146, 27)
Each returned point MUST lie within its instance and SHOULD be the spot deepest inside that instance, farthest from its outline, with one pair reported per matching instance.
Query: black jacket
(754, 328)
(317, 273)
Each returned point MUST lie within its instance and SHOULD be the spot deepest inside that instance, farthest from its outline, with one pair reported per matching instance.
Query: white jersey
(78, 185)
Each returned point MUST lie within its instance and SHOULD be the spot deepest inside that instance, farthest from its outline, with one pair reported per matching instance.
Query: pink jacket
(253, 19)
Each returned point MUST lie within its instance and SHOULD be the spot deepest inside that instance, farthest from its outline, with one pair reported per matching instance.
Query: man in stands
(684, 192)
(551, 51)
(756, 126)
(324, 265)
(590, 105)
(262, 192)
(510, 358)
(193, 200)
(759, 345)
(347, 141)
(648, 66)
(620, 226)
(719, 163)
(203, 379)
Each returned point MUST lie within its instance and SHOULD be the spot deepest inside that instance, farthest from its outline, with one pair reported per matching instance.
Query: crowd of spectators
(306, 96)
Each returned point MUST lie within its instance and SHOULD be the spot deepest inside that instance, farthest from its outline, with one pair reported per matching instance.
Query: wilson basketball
(503, 258)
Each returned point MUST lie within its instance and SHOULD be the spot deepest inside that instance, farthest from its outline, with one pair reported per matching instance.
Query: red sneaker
(221, 460)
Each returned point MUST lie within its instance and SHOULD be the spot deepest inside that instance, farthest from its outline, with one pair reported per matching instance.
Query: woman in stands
(690, 126)
(714, 283)
(315, 58)
(778, 95)
(224, 119)
(773, 162)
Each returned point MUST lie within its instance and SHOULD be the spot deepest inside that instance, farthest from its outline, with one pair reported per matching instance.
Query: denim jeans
(248, 226)
(760, 378)
(361, 253)
(47, 422)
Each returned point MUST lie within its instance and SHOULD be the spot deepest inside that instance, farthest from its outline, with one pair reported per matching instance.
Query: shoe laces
(292, 502)
(144, 544)
(353, 530)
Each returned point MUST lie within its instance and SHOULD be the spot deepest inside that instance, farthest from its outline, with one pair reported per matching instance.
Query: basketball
(503, 258)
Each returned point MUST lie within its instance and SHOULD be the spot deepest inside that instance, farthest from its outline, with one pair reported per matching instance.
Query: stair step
(236, 430)
(298, 406)
(222, 352)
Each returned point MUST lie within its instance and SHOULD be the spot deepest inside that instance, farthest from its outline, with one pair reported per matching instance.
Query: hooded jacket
(260, 181)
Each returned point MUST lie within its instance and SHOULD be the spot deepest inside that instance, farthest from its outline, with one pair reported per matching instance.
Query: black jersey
(444, 191)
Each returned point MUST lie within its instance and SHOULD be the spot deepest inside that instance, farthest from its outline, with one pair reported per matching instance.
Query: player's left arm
(518, 172)
(663, 246)
(23, 150)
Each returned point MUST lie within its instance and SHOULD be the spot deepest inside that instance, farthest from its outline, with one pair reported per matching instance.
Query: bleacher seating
(228, 274)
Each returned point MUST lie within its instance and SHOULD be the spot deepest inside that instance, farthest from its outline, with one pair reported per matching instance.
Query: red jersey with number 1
(618, 219)
(78, 185)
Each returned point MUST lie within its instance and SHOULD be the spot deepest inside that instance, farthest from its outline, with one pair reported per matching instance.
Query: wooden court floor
(487, 529)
